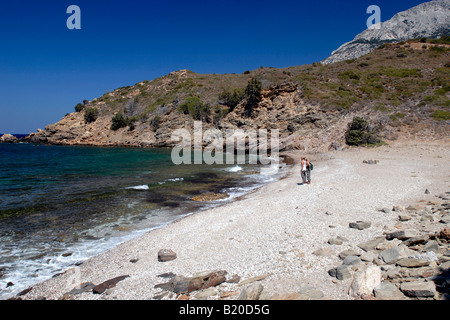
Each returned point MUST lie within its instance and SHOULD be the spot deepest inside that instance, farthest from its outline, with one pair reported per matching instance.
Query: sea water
(60, 205)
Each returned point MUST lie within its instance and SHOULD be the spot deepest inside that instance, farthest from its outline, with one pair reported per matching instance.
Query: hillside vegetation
(403, 88)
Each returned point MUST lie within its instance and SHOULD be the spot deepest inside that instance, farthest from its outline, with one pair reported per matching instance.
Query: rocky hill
(402, 89)
(429, 20)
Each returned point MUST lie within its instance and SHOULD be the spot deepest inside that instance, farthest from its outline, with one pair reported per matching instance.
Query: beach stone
(204, 294)
(365, 281)
(311, 292)
(421, 272)
(416, 240)
(252, 292)
(398, 208)
(204, 280)
(445, 219)
(412, 263)
(427, 191)
(402, 234)
(404, 217)
(444, 234)
(253, 279)
(166, 255)
(371, 244)
(234, 279)
(394, 254)
(323, 252)
(348, 252)
(84, 287)
(341, 273)
(445, 266)
(431, 246)
(418, 289)
(351, 260)
(360, 225)
(388, 291)
(335, 241)
(108, 284)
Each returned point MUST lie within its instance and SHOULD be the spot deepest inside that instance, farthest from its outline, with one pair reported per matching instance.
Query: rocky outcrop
(8, 138)
(427, 20)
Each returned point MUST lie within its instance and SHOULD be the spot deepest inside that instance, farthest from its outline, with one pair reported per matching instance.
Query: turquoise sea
(60, 205)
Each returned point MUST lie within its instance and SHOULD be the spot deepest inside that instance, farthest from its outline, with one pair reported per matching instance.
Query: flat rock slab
(418, 289)
(360, 225)
(108, 284)
(371, 244)
(412, 263)
(402, 234)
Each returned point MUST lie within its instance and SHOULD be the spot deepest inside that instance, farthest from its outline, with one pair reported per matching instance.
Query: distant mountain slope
(427, 20)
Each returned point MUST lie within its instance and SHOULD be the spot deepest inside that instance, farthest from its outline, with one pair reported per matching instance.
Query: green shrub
(231, 98)
(252, 94)
(349, 75)
(118, 121)
(360, 133)
(195, 108)
(441, 115)
(90, 115)
(79, 107)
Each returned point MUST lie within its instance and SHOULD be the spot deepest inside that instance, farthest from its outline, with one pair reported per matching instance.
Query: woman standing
(306, 171)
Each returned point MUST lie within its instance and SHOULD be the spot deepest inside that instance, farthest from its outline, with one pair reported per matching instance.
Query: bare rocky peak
(429, 20)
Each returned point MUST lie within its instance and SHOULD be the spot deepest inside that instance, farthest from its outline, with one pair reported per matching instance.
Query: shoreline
(267, 233)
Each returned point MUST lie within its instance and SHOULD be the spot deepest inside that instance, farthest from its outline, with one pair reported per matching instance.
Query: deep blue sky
(46, 69)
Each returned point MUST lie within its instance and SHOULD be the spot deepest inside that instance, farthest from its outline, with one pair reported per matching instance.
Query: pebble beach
(285, 240)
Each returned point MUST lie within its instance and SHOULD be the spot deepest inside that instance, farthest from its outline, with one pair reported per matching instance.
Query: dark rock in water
(166, 255)
(108, 284)
(24, 292)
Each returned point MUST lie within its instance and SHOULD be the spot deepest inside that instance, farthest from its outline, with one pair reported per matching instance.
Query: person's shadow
(300, 183)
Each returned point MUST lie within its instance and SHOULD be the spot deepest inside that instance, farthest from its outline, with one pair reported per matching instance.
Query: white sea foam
(141, 187)
(234, 169)
(172, 180)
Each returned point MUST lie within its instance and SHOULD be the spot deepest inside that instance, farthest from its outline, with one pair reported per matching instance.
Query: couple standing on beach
(306, 167)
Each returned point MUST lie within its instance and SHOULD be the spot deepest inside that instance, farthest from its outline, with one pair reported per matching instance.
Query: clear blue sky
(46, 69)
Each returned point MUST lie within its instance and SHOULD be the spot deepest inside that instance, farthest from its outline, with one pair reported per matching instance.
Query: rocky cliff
(429, 20)
(403, 89)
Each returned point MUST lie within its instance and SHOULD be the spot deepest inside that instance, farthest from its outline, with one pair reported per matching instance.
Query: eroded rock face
(429, 20)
